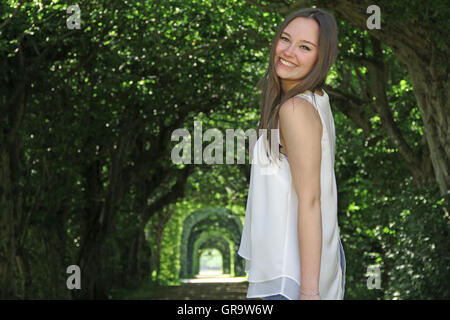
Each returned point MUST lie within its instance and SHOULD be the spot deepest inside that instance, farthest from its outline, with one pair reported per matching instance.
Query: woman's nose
(289, 51)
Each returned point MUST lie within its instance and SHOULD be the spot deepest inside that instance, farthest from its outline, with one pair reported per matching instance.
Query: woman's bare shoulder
(299, 117)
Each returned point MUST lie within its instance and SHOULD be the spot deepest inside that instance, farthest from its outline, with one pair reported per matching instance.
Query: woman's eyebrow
(300, 40)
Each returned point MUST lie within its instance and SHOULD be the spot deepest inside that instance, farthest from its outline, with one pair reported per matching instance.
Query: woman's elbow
(307, 201)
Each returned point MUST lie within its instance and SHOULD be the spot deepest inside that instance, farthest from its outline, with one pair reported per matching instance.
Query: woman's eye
(306, 48)
(284, 38)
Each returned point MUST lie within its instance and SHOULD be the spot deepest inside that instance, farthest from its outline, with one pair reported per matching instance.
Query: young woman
(291, 239)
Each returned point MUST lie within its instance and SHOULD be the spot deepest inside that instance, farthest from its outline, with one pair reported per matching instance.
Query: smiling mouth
(285, 63)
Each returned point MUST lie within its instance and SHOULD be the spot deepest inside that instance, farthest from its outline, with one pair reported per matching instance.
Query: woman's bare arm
(302, 133)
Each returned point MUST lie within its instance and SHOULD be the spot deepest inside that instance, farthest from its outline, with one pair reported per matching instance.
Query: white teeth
(287, 63)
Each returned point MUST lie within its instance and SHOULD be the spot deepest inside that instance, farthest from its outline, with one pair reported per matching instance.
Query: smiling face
(297, 51)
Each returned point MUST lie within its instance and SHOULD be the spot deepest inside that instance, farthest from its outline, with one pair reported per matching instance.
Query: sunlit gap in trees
(211, 269)
(211, 263)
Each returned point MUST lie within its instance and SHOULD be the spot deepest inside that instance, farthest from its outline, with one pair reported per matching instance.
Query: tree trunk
(431, 88)
(90, 255)
(54, 236)
(134, 272)
(9, 176)
(7, 236)
(100, 210)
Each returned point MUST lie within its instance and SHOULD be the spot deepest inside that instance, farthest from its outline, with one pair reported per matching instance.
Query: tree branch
(378, 88)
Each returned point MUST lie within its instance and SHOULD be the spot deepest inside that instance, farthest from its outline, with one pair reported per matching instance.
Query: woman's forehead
(303, 29)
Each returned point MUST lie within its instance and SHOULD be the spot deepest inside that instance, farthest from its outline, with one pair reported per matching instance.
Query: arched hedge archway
(217, 240)
(218, 243)
(217, 226)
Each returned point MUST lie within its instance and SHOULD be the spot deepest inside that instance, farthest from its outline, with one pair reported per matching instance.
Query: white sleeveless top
(269, 242)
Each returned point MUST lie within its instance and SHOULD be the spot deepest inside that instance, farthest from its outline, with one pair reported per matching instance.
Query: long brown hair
(272, 97)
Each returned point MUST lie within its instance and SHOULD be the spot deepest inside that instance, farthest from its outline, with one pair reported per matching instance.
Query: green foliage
(387, 221)
(419, 246)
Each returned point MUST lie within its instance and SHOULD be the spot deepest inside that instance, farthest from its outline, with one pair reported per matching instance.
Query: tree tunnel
(213, 228)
